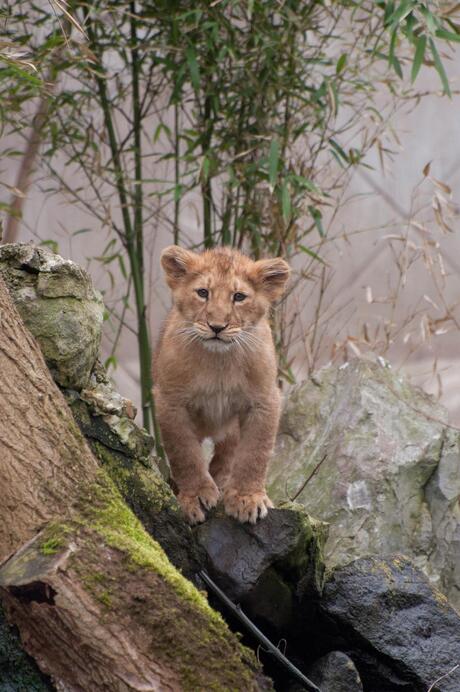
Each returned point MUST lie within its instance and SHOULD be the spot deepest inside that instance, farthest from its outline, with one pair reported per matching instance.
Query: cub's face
(222, 294)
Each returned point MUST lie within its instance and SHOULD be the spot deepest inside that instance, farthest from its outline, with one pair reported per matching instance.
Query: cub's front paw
(192, 504)
(191, 507)
(246, 507)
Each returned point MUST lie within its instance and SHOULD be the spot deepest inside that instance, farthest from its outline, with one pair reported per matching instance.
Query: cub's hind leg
(221, 463)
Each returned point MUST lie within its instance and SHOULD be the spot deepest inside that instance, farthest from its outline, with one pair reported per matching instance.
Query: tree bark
(96, 601)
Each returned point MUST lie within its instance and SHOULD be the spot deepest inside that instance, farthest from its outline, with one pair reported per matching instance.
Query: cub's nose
(216, 328)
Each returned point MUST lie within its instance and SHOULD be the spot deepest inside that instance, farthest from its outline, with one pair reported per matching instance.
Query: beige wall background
(386, 239)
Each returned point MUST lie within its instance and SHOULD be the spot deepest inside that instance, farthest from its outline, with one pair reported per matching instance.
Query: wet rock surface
(57, 301)
(402, 632)
(362, 449)
(335, 672)
(269, 566)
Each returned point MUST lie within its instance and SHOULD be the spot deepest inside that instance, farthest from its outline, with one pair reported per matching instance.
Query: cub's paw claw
(248, 507)
(191, 507)
(208, 494)
(192, 504)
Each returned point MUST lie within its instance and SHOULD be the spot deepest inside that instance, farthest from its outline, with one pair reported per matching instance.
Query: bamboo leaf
(402, 11)
(111, 361)
(341, 63)
(178, 190)
(440, 67)
(161, 127)
(52, 244)
(121, 264)
(418, 57)
(432, 22)
(193, 67)
(447, 35)
(317, 218)
(392, 59)
(311, 253)
(341, 152)
(305, 183)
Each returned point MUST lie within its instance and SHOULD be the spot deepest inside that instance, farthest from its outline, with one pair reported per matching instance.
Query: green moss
(109, 516)
(54, 538)
(51, 547)
(105, 598)
(134, 480)
(192, 625)
(99, 584)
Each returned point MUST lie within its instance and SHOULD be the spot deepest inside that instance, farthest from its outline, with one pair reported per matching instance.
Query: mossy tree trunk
(96, 601)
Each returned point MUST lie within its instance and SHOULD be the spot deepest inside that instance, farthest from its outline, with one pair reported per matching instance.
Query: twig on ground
(265, 643)
(431, 687)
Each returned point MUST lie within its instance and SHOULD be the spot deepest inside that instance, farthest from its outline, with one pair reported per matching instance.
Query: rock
(18, 672)
(58, 303)
(335, 672)
(442, 494)
(268, 566)
(100, 394)
(104, 415)
(363, 450)
(403, 633)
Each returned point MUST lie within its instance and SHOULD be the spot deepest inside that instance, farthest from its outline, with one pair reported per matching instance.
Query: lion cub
(215, 376)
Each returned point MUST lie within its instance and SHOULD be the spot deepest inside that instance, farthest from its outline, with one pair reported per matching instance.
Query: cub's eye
(202, 292)
(239, 297)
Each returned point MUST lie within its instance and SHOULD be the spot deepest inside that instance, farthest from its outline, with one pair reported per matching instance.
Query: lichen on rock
(365, 451)
(56, 299)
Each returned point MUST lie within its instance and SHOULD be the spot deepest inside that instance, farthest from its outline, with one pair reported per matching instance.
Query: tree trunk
(96, 601)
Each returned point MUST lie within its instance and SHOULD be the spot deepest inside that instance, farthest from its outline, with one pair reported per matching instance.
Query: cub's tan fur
(215, 376)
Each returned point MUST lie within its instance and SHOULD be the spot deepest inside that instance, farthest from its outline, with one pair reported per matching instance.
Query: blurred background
(325, 132)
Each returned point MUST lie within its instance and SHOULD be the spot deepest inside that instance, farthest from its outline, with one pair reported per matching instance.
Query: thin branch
(255, 631)
(452, 670)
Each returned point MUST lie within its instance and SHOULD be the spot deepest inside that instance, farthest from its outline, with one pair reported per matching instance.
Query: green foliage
(260, 109)
(419, 26)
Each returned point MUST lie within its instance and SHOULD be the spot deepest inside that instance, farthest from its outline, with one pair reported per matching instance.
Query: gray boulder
(58, 303)
(335, 672)
(403, 633)
(362, 449)
(266, 567)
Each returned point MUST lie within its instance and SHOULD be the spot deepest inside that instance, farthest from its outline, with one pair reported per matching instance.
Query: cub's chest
(217, 405)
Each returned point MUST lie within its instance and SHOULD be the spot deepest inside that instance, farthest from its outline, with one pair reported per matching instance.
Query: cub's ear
(176, 262)
(271, 275)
